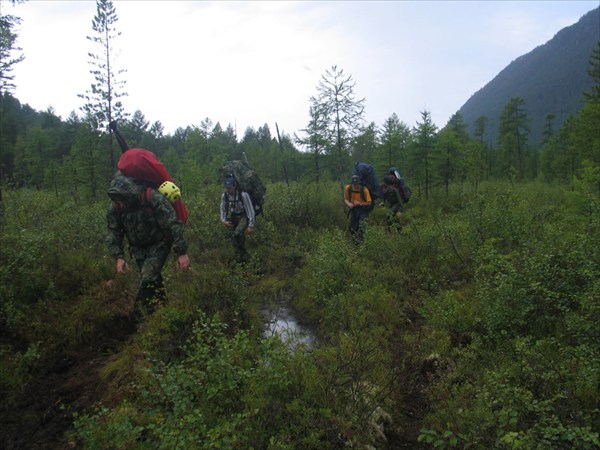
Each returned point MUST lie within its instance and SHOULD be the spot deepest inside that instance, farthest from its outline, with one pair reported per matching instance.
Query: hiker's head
(169, 190)
(122, 189)
(355, 180)
(229, 183)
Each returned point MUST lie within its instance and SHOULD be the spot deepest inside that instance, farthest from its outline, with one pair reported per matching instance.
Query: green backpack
(248, 181)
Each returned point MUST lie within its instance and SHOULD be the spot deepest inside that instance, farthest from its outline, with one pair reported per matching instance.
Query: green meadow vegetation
(477, 327)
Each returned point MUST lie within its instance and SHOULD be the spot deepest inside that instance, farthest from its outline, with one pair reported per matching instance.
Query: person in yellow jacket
(357, 198)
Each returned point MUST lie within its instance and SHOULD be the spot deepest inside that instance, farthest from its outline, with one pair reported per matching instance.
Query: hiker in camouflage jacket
(152, 228)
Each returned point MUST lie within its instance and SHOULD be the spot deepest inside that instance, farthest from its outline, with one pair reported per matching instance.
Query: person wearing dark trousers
(237, 213)
(358, 201)
(147, 219)
(391, 198)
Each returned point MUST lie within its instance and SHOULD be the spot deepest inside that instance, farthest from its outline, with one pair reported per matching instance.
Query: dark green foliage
(516, 347)
(8, 47)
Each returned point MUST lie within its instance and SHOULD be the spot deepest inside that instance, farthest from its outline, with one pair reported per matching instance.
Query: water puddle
(282, 321)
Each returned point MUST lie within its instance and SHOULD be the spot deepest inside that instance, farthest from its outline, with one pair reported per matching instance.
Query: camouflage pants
(151, 292)
(393, 222)
(238, 238)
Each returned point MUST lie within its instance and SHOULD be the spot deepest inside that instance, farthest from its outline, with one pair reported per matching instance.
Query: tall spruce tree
(423, 147)
(512, 138)
(102, 104)
(485, 150)
(315, 139)
(342, 112)
(395, 137)
(447, 158)
(365, 143)
(8, 46)
(453, 141)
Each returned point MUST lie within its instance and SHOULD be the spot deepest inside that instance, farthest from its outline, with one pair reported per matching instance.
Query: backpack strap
(237, 197)
(362, 192)
(145, 199)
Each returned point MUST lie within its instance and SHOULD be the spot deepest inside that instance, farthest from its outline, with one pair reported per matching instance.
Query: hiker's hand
(398, 214)
(228, 223)
(183, 263)
(249, 230)
(122, 266)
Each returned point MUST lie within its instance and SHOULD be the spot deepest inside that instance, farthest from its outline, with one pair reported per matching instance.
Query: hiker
(358, 200)
(237, 213)
(148, 220)
(391, 198)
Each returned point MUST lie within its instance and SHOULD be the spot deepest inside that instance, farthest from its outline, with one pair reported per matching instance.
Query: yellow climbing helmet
(169, 190)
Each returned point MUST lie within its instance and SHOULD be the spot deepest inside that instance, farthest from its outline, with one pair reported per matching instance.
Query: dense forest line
(40, 150)
(76, 157)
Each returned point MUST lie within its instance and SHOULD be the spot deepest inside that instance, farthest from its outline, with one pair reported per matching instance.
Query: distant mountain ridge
(551, 79)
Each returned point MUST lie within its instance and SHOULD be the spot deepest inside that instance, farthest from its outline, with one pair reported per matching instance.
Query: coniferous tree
(423, 147)
(548, 131)
(8, 40)
(102, 104)
(593, 96)
(458, 126)
(10, 128)
(364, 144)
(585, 140)
(480, 129)
(86, 157)
(446, 160)
(512, 138)
(135, 131)
(8, 45)
(342, 112)
(574, 152)
(316, 135)
(557, 161)
(395, 137)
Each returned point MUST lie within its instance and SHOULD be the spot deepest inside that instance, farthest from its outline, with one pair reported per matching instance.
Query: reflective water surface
(282, 321)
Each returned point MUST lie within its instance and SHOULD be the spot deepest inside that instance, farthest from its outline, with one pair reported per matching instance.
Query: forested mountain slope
(551, 79)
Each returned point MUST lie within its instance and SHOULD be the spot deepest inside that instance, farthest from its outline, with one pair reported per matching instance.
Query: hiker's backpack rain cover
(143, 165)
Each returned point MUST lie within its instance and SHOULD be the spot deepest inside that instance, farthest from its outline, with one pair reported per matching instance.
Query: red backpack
(143, 165)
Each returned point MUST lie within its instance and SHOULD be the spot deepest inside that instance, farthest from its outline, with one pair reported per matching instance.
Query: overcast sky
(254, 63)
